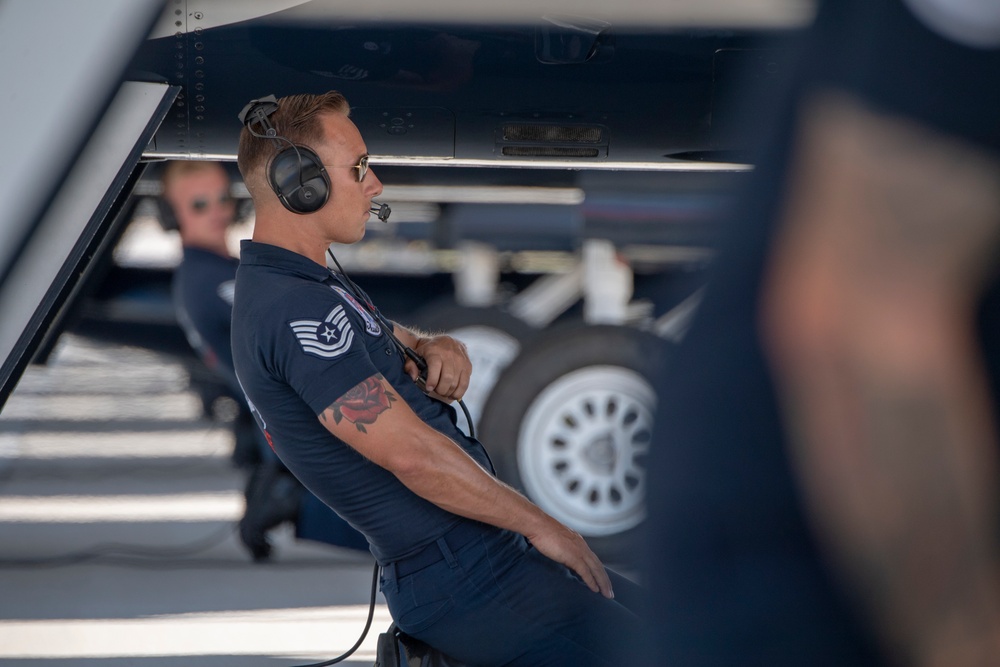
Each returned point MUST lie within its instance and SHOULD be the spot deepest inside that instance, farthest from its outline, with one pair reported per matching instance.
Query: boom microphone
(381, 210)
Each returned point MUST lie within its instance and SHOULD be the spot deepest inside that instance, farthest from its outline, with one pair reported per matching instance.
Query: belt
(460, 535)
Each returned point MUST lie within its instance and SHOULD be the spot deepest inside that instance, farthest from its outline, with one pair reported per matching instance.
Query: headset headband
(296, 174)
(258, 111)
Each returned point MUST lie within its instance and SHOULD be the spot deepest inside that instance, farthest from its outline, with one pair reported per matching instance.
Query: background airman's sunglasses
(200, 205)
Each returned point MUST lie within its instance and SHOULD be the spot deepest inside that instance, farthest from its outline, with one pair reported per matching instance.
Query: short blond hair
(176, 169)
(297, 119)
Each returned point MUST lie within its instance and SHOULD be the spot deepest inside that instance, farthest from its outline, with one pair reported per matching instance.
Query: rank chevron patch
(327, 339)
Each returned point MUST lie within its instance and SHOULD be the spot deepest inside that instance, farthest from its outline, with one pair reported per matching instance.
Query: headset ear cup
(167, 217)
(299, 179)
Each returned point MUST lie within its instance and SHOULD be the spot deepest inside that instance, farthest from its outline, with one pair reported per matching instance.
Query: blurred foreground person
(826, 474)
(201, 204)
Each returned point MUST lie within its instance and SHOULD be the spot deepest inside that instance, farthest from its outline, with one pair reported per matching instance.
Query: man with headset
(199, 203)
(469, 566)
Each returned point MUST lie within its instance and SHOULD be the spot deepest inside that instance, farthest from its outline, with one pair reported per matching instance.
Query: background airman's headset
(296, 173)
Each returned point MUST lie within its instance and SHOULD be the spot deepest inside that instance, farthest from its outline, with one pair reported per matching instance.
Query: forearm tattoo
(362, 404)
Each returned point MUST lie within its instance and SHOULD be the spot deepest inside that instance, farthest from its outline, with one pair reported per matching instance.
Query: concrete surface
(117, 509)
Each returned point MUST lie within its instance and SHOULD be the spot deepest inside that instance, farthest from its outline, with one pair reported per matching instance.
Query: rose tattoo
(363, 403)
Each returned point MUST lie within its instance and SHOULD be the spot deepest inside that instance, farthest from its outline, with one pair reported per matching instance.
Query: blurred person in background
(201, 205)
(826, 468)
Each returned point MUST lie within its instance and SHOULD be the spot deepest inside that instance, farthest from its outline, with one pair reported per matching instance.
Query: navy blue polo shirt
(300, 341)
(202, 293)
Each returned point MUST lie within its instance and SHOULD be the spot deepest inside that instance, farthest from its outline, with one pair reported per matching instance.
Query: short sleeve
(318, 345)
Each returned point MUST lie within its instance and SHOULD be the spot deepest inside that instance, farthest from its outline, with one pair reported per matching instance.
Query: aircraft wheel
(493, 340)
(569, 423)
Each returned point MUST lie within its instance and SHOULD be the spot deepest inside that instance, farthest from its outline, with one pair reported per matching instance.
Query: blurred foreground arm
(889, 236)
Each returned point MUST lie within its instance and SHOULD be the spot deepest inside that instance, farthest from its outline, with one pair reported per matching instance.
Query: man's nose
(374, 185)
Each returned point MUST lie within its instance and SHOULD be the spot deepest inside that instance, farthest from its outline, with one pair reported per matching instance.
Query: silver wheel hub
(581, 449)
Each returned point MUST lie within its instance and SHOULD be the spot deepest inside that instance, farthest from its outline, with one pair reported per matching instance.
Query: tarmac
(118, 503)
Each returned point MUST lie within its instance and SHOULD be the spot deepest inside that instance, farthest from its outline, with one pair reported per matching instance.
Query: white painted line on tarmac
(41, 445)
(101, 407)
(214, 506)
(315, 633)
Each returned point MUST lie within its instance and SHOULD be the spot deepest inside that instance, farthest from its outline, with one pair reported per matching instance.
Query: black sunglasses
(201, 204)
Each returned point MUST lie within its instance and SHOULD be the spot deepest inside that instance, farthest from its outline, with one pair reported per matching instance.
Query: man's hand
(567, 547)
(448, 367)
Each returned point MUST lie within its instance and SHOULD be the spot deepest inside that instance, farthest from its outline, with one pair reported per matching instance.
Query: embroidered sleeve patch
(371, 324)
(327, 339)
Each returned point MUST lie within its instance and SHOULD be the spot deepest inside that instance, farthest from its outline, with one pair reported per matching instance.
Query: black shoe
(272, 497)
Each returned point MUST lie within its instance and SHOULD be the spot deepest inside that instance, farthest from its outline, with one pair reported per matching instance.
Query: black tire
(493, 338)
(569, 423)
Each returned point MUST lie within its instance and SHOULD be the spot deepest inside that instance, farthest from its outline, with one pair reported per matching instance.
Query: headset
(296, 173)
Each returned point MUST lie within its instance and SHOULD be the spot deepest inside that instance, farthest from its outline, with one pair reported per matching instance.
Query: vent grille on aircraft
(579, 134)
(549, 151)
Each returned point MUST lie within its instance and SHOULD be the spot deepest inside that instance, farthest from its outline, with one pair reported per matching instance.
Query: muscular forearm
(868, 317)
(371, 419)
(437, 469)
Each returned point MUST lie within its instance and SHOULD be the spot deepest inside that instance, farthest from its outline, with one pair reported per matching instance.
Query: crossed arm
(868, 315)
(448, 367)
(372, 419)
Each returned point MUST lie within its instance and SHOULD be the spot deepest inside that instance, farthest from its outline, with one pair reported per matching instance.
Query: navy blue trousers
(497, 601)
